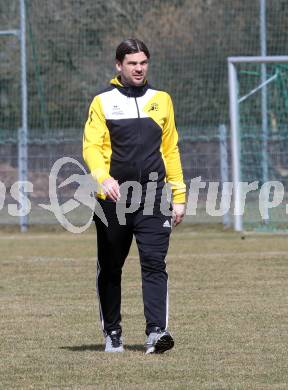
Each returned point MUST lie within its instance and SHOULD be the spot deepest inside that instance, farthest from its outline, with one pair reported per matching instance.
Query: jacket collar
(130, 90)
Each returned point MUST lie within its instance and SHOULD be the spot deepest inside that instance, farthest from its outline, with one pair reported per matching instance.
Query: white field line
(88, 236)
(52, 236)
(169, 257)
(223, 254)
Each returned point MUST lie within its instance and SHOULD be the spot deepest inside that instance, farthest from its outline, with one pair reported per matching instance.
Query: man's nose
(138, 68)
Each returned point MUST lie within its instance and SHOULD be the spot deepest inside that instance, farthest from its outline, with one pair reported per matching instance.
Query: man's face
(133, 69)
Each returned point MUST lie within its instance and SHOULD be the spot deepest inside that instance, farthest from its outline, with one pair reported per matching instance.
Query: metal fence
(70, 49)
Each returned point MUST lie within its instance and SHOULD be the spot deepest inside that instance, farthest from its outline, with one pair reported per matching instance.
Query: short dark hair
(130, 46)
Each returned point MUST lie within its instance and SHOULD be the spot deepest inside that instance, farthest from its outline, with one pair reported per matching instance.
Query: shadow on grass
(100, 347)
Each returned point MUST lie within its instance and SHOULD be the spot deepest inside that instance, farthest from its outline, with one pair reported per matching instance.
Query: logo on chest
(154, 107)
(116, 110)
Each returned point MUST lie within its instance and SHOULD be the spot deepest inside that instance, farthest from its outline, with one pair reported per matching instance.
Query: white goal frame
(234, 122)
(20, 33)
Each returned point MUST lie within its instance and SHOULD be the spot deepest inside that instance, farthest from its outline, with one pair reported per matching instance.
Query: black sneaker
(159, 341)
(114, 342)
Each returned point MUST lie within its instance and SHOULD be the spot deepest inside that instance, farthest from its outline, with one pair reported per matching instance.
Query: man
(130, 135)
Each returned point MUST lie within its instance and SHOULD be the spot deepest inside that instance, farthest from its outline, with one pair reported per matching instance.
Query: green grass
(228, 314)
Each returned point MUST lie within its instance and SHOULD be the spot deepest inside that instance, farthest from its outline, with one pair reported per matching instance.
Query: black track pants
(152, 234)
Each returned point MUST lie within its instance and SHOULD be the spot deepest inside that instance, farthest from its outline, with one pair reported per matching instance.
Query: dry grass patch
(228, 314)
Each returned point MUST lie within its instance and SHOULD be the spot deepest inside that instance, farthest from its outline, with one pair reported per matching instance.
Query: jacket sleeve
(174, 174)
(93, 141)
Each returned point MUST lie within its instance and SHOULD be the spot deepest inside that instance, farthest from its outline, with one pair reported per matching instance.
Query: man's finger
(176, 218)
(113, 192)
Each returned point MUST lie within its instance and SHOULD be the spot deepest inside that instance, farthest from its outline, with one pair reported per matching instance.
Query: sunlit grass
(228, 314)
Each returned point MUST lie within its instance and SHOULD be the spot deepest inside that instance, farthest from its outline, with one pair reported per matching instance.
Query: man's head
(132, 57)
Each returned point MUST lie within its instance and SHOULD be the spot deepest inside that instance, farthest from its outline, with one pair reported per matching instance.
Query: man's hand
(177, 213)
(111, 189)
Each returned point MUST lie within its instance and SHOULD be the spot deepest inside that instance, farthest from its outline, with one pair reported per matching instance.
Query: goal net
(259, 123)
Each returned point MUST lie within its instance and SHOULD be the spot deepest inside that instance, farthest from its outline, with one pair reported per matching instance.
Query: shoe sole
(115, 350)
(165, 343)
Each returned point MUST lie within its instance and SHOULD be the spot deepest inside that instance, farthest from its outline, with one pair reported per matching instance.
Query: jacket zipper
(140, 136)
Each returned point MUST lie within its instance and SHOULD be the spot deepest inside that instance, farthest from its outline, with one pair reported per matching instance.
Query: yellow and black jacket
(130, 132)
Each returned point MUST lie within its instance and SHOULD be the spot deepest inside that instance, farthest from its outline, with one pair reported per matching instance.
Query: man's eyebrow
(135, 62)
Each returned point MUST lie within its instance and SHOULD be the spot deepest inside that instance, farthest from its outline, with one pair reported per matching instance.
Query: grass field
(228, 314)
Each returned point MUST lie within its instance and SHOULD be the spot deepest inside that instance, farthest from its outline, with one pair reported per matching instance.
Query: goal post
(258, 127)
(20, 33)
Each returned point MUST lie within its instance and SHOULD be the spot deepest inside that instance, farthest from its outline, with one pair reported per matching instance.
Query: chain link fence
(70, 56)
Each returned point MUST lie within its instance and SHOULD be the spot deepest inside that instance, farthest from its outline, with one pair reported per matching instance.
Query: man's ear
(118, 66)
